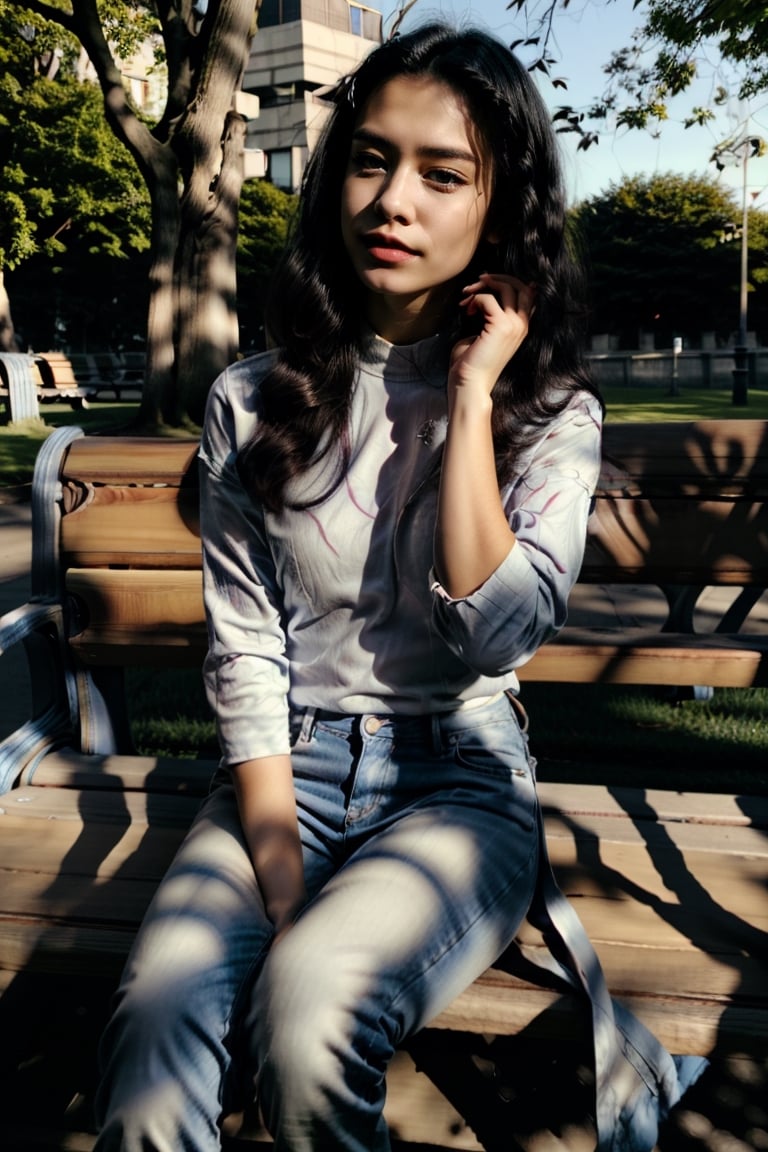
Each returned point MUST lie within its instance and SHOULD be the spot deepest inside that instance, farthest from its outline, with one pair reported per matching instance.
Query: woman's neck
(405, 323)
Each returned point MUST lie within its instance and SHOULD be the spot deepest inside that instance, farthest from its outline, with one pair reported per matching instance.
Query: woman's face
(414, 203)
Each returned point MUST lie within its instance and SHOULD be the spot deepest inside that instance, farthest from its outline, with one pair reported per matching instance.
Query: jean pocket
(496, 750)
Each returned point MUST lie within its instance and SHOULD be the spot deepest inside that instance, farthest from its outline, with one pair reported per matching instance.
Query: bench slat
(125, 871)
(69, 769)
(691, 450)
(142, 527)
(131, 460)
(140, 601)
(73, 948)
(504, 1008)
(615, 831)
(101, 942)
(141, 615)
(628, 899)
(625, 662)
(496, 1004)
(703, 456)
(700, 457)
(645, 657)
(708, 543)
(667, 540)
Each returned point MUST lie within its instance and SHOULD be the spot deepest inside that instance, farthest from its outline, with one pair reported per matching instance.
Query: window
(279, 170)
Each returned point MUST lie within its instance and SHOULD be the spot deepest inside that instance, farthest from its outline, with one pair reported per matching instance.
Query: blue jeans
(420, 851)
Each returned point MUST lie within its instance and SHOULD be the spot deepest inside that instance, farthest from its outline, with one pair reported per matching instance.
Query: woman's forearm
(472, 534)
(267, 806)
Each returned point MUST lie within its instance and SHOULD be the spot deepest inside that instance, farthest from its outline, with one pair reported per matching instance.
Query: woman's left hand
(472, 535)
(504, 305)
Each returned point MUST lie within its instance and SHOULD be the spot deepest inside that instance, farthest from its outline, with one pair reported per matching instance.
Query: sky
(585, 35)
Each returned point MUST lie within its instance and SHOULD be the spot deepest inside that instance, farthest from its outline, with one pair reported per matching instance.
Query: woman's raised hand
(504, 306)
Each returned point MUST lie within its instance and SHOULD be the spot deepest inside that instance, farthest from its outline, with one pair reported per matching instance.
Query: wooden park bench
(30, 378)
(110, 372)
(670, 885)
(83, 376)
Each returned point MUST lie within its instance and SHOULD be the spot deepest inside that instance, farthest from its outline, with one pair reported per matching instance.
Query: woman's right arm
(246, 669)
(267, 809)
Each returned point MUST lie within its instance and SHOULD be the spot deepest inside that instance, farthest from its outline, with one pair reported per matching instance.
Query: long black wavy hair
(315, 314)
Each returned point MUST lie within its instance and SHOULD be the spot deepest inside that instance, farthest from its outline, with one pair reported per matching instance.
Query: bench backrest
(676, 503)
(681, 503)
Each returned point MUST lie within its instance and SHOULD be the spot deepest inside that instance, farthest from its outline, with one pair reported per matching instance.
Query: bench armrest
(39, 627)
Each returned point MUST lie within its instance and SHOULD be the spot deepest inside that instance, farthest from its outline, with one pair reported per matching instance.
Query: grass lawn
(19, 443)
(578, 732)
(655, 404)
(588, 732)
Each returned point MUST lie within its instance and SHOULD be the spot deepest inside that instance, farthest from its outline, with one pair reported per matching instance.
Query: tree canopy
(69, 191)
(189, 153)
(265, 216)
(75, 227)
(664, 55)
(664, 256)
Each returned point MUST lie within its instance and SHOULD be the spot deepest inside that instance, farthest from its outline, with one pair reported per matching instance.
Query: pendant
(426, 433)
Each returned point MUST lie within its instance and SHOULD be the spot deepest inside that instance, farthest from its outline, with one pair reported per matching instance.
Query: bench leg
(682, 600)
(104, 722)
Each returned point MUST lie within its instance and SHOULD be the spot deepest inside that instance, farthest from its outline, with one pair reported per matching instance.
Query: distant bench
(28, 378)
(670, 885)
(91, 373)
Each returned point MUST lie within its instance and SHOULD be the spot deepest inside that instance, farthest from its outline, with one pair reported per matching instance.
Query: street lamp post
(740, 352)
(739, 148)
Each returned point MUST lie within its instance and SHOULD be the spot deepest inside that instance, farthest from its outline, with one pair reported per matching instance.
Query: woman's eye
(445, 178)
(367, 162)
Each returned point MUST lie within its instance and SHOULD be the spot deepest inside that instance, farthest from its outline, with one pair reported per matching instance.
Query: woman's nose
(395, 199)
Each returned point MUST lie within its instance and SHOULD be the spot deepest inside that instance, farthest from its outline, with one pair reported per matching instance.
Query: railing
(701, 369)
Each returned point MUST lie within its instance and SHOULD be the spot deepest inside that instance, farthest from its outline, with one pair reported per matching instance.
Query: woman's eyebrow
(429, 151)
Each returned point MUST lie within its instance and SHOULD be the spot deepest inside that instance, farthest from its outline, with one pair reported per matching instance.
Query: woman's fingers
(505, 305)
(509, 292)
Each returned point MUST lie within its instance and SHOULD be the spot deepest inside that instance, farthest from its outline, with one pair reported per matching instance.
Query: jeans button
(372, 725)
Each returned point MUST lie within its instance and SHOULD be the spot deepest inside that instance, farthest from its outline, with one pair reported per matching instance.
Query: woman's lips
(387, 251)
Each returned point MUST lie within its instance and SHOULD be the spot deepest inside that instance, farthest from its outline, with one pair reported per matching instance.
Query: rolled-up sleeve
(246, 669)
(523, 603)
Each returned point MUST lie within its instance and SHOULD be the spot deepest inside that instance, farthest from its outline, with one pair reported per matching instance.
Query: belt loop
(522, 715)
(307, 725)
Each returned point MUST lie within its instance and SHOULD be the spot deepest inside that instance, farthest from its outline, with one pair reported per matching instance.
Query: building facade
(301, 49)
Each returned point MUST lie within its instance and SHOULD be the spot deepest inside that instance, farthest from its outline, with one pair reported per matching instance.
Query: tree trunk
(158, 399)
(205, 281)
(208, 144)
(192, 164)
(8, 341)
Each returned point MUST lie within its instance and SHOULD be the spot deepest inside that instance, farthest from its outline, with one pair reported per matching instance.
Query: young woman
(394, 508)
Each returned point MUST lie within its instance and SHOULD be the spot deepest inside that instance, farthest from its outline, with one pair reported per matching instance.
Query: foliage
(663, 253)
(265, 217)
(99, 300)
(188, 146)
(661, 60)
(739, 27)
(70, 195)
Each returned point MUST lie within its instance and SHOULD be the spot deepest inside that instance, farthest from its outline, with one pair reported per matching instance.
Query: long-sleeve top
(335, 605)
